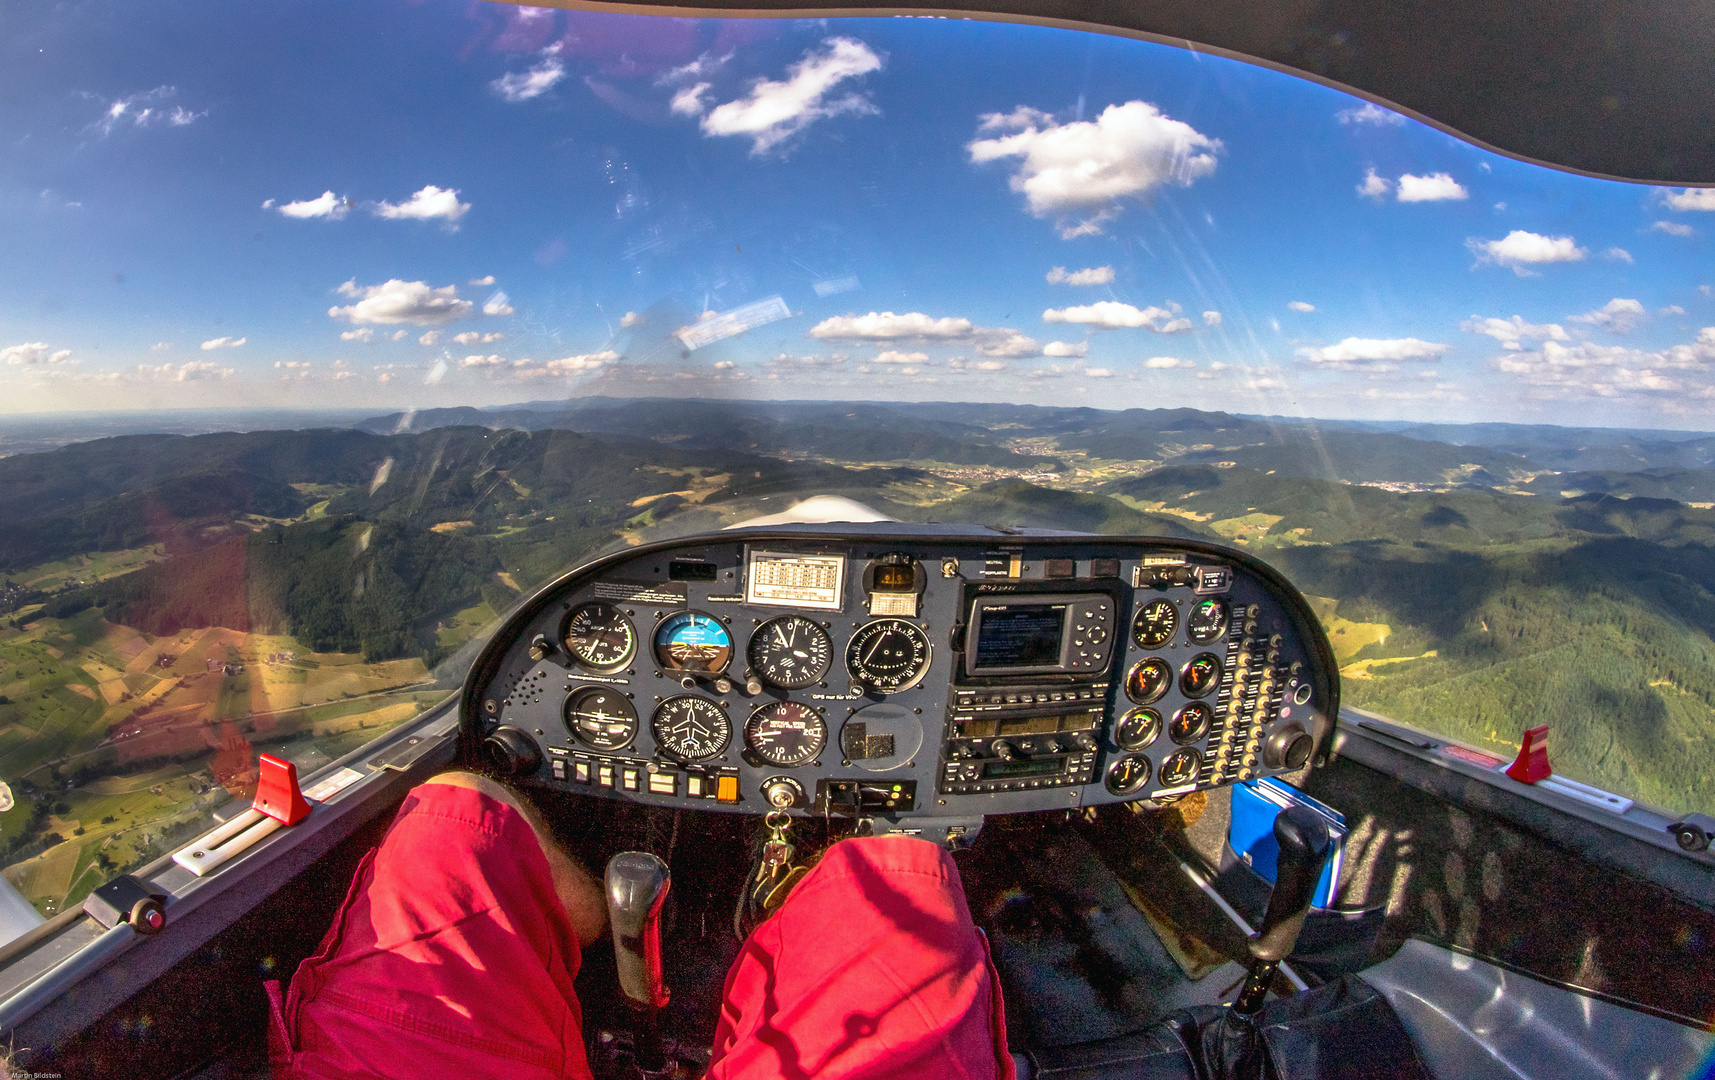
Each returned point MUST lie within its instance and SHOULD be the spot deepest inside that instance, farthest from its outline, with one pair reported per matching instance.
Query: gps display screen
(1022, 635)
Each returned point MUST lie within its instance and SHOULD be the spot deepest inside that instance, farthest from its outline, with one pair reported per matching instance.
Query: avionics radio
(1028, 703)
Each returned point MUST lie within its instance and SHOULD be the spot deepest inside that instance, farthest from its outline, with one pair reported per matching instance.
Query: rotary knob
(1002, 749)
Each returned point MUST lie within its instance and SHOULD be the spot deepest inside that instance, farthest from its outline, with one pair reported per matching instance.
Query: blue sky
(397, 204)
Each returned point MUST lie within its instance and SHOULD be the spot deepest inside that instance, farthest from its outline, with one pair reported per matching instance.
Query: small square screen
(1022, 635)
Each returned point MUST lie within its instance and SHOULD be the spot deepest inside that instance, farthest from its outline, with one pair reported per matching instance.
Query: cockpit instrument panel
(906, 673)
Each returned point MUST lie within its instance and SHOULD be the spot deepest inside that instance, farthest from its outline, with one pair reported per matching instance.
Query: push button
(695, 787)
(604, 775)
(581, 771)
(631, 779)
(726, 789)
(664, 783)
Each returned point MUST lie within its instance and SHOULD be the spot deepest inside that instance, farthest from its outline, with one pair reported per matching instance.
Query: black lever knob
(1304, 841)
(510, 752)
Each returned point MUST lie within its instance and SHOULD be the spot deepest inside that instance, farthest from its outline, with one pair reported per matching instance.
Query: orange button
(726, 789)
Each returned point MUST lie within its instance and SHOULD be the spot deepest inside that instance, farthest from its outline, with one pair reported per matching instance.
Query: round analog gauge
(692, 641)
(600, 718)
(791, 652)
(1191, 723)
(1138, 729)
(1128, 775)
(1180, 768)
(1207, 621)
(786, 733)
(599, 637)
(888, 655)
(1155, 624)
(1147, 680)
(1201, 675)
(690, 728)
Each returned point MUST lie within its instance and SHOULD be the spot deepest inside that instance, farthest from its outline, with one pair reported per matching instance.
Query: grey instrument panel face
(899, 676)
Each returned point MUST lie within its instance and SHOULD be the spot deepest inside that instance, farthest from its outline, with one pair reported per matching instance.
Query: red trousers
(452, 956)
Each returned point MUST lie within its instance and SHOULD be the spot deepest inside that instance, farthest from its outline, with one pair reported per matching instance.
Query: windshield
(328, 331)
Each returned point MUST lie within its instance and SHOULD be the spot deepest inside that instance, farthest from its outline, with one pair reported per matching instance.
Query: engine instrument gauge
(786, 733)
(690, 728)
(1201, 675)
(1155, 624)
(790, 652)
(1137, 729)
(888, 655)
(600, 718)
(1180, 768)
(1191, 723)
(599, 637)
(692, 641)
(1207, 621)
(1147, 680)
(1128, 775)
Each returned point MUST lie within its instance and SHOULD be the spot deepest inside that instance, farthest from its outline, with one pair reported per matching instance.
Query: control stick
(637, 884)
(1303, 841)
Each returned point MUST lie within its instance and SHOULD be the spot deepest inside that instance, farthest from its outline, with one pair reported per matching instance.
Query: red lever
(277, 792)
(1532, 763)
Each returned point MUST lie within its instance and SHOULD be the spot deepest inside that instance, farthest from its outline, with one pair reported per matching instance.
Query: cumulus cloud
(472, 337)
(1211, 318)
(1672, 228)
(326, 205)
(1372, 354)
(33, 352)
(1370, 113)
(791, 362)
(1166, 362)
(1436, 187)
(498, 304)
(1586, 369)
(1299, 305)
(1373, 186)
(1520, 250)
(1619, 315)
(893, 357)
(486, 279)
(886, 326)
(1066, 348)
(960, 363)
(1006, 342)
(578, 365)
(483, 361)
(1618, 254)
(1113, 315)
(689, 100)
(1513, 332)
(517, 86)
(362, 333)
(195, 371)
(776, 110)
(160, 346)
(223, 343)
(1095, 275)
(430, 204)
(1097, 373)
(1689, 199)
(396, 301)
(630, 319)
(430, 337)
(1671, 309)
(1087, 168)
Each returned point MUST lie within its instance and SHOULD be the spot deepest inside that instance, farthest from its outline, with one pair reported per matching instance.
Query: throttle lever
(1304, 843)
(636, 885)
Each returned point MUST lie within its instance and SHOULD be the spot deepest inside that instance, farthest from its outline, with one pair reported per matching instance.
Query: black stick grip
(637, 884)
(1304, 842)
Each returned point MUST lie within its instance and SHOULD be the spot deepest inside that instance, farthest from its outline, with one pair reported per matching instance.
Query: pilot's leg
(872, 968)
(453, 954)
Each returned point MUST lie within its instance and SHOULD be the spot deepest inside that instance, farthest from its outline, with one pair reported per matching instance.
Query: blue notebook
(1250, 833)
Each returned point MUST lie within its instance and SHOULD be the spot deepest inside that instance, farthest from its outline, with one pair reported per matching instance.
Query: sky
(391, 204)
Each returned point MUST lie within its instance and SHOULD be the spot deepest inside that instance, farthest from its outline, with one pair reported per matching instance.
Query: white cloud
(960, 363)
(1097, 373)
(1436, 187)
(791, 362)
(1672, 228)
(577, 365)
(1586, 369)
(486, 279)
(774, 111)
(1165, 362)
(886, 326)
(326, 205)
(483, 361)
(1006, 342)
(530, 369)
(223, 343)
(1618, 254)
(1671, 309)
(702, 67)
(1690, 199)
(498, 304)
(399, 335)
(1111, 315)
(688, 100)
(396, 301)
(195, 371)
(516, 86)
(630, 319)
(1521, 250)
(293, 365)
(430, 204)
(1095, 275)
(1370, 113)
(145, 109)
(1706, 290)
(1618, 315)
(893, 357)
(1299, 305)
(1374, 187)
(1211, 318)
(1088, 167)
(724, 365)
(1066, 348)
(1511, 333)
(160, 346)
(1372, 354)
(33, 352)
(362, 333)
(472, 337)
(430, 337)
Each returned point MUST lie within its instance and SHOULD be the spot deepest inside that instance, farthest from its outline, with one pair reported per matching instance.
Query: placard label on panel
(664, 592)
(803, 581)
